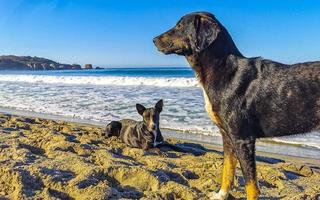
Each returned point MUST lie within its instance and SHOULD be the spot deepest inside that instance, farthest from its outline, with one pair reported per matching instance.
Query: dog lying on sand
(144, 134)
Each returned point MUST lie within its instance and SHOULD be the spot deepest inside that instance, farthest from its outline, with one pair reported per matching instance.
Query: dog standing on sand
(247, 98)
(144, 134)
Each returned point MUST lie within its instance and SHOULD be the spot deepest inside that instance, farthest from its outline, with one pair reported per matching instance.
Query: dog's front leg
(245, 150)
(157, 151)
(148, 147)
(229, 167)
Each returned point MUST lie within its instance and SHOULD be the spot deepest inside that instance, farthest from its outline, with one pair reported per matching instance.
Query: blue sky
(119, 33)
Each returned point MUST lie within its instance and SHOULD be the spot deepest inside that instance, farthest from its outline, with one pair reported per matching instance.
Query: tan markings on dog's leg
(229, 167)
(252, 190)
(230, 161)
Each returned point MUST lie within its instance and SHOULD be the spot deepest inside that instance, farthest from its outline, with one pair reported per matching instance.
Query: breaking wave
(102, 80)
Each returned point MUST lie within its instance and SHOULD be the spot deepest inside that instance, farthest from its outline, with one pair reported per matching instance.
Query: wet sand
(47, 159)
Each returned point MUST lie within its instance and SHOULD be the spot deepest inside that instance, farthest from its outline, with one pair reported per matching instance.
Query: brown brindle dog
(247, 98)
(143, 134)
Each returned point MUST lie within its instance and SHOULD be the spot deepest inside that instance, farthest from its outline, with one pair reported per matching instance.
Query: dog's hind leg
(245, 150)
(229, 167)
(113, 129)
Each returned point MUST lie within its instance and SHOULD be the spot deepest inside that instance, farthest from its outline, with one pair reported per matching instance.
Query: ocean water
(103, 95)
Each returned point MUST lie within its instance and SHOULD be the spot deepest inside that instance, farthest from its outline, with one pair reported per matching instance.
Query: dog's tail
(113, 129)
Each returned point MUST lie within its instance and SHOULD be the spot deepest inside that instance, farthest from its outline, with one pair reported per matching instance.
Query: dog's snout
(153, 126)
(156, 40)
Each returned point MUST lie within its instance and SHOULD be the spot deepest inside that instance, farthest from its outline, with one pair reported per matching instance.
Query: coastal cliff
(12, 62)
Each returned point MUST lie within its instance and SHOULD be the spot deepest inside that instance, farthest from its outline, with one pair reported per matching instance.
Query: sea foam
(101, 80)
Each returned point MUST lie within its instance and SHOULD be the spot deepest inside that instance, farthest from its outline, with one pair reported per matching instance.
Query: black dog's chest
(211, 111)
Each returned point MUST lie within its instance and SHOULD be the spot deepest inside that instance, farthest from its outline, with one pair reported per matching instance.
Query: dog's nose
(154, 127)
(155, 40)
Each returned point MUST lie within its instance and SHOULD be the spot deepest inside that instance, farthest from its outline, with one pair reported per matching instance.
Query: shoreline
(266, 145)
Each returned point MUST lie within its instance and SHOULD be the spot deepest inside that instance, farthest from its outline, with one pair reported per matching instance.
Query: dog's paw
(221, 195)
(163, 155)
(160, 153)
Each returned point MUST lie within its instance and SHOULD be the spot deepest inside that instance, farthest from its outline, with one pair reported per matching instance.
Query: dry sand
(46, 159)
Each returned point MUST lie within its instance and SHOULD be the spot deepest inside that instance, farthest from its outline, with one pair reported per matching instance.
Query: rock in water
(76, 66)
(88, 66)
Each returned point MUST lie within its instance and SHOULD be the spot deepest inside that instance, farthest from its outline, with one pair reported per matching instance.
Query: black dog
(247, 98)
(144, 134)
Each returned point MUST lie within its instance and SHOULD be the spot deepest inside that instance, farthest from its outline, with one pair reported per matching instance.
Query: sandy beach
(47, 159)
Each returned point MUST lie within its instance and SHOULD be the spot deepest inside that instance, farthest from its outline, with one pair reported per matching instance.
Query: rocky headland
(11, 62)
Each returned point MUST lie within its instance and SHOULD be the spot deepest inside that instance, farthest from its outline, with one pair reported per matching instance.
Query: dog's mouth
(167, 47)
(170, 49)
(152, 130)
(179, 51)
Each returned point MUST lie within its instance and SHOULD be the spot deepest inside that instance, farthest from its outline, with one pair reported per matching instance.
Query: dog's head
(151, 116)
(192, 34)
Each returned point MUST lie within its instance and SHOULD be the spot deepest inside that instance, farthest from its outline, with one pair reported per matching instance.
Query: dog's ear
(140, 108)
(206, 31)
(159, 105)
